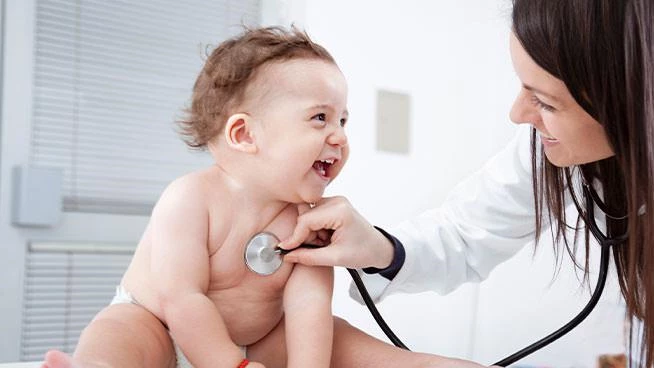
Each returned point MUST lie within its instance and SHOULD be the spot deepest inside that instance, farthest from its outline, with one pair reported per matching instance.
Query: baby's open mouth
(322, 167)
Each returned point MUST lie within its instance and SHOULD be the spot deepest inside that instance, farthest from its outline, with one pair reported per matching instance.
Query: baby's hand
(255, 365)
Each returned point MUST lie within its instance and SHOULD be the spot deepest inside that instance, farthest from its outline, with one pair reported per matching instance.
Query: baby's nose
(338, 137)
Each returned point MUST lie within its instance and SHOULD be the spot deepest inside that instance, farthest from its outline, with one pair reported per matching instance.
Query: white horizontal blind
(65, 286)
(110, 79)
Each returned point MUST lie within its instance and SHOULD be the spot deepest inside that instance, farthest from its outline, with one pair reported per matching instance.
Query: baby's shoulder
(190, 184)
(190, 190)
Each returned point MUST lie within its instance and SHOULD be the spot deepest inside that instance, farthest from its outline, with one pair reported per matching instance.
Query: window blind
(110, 80)
(66, 285)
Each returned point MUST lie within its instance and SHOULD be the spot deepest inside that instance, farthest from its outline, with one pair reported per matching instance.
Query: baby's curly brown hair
(228, 71)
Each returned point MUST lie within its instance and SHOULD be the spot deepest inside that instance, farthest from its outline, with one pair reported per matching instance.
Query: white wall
(452, 59)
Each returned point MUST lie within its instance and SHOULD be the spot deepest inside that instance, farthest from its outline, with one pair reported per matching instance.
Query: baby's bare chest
(237, 291)
(228, 269)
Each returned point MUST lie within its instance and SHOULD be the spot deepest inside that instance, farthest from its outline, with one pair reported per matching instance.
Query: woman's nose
(523, 111)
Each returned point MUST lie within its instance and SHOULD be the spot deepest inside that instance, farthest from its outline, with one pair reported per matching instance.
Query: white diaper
(124, 297)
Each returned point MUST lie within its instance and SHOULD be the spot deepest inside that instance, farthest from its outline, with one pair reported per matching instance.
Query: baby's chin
(313, 197)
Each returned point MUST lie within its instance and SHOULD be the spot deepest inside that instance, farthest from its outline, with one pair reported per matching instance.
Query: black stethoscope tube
(605, 242)
(373, 310)
(601, 281)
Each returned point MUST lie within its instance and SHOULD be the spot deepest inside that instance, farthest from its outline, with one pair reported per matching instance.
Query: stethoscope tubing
(597, 293)
(605, 243)
(374, 311)
(601, 281)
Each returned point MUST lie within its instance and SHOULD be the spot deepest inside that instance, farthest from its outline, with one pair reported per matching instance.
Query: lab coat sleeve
(486, 219)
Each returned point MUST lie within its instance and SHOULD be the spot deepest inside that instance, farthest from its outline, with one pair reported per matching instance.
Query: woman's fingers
(305, 231)
(314, 224)
(311, 257)
(348, 239)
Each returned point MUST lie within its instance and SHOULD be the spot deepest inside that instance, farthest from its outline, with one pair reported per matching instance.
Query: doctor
(587, 101)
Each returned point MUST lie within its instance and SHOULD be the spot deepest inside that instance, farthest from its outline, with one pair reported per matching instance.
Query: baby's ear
(239, 134)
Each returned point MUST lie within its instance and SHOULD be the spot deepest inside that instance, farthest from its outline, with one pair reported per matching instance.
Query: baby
(270, 107)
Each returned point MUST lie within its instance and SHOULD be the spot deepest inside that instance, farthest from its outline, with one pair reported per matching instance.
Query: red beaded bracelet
(244, 363)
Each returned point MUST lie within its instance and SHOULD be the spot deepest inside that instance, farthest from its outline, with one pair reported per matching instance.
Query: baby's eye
(322, 117)
(343, 122)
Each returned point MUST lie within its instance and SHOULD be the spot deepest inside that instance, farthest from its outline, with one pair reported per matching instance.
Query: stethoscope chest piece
(261, 254)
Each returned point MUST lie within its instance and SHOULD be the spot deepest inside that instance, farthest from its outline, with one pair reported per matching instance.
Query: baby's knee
(128, 331)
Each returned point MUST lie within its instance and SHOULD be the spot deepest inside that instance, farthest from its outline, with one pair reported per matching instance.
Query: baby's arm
(309, 322)
(181, 273)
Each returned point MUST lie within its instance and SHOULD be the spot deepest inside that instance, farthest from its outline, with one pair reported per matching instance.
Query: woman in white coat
(587, 97)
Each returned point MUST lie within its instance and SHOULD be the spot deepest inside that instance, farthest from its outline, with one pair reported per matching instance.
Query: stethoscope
(264, 257)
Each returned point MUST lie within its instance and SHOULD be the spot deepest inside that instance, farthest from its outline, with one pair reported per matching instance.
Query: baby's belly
(248, 319)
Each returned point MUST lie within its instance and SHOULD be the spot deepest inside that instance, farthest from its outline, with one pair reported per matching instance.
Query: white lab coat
(486, 219)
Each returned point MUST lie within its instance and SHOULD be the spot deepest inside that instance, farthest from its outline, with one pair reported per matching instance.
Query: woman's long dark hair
(603, 50)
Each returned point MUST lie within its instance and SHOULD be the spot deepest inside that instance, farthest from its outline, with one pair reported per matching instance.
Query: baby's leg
(121, 335)
(352, 348)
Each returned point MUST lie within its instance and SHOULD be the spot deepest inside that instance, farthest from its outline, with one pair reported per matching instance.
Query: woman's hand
(350, 241)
